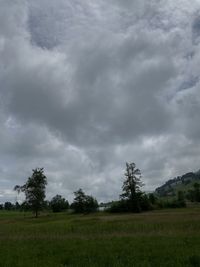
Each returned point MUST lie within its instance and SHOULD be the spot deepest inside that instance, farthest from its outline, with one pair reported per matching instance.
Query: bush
(84, 203)
(58, 204)
(175, 203)
(143, 204)
(194, 194)
(8, 206)
(119, 206)
(91, 204)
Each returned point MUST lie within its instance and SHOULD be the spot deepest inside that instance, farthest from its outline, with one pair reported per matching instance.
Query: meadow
(157, 238)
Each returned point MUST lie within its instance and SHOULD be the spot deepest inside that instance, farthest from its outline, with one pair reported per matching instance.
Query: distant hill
(183, 183)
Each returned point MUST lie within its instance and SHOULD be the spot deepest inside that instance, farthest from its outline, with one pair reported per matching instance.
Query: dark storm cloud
(87, 86)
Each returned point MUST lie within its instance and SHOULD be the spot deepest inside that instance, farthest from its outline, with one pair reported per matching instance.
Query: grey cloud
(196, 28)
(13, 18)
(86, 87)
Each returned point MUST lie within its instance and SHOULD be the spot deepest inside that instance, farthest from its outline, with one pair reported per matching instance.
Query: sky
(86, 86)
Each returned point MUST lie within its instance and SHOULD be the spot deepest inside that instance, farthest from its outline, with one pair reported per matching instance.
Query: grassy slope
(161, 238)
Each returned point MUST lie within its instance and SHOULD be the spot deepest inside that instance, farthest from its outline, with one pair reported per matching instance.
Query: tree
(152, 198)
(25, 207)
(180, 196)
(91, 204)
(17, 205)
(197, 192)
(194, 195)
(84, 203)
(8, 205)
(58, 203)
(131, 187)
(78, 204)
(34, 190)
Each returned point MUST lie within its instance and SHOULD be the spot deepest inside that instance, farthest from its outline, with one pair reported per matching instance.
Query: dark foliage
(34, 190)
(58, 204)
(83, 203)
(145, 203)
(175, 203)
(135, 199)
(181, 196)
(8, 206)
(152, 199)
(119, 206)
(194, 194)
(25, 206)
(17, 206)
(132, 198)
(125, 205)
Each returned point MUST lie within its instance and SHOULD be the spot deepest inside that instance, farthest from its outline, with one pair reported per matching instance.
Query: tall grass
(159, 238)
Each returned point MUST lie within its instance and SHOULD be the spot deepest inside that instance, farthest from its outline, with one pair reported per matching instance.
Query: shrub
(119, 206)
(58, 204)
(175, 203)
(84, 203)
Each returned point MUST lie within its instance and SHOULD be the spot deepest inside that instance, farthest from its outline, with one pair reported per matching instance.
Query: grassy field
(160, 238)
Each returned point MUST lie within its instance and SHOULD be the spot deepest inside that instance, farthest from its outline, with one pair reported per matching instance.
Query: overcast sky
(86, 86)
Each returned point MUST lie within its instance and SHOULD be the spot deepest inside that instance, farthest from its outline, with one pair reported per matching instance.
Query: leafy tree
(144, 202)
(119, 206)
(84, 203)
(172, 204)
(197, 192)
(152, 198)
(181, 196)
(34, 190)
(58, 203)
(25, 206)
(46, 205)
(8, 205)
(131, 187)
(194, 194)
(17, 205)
(79, 201)
(91, 204)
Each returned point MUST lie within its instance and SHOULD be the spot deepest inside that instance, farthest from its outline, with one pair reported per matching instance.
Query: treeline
(132, 199)
(82, 204)
(192, 195)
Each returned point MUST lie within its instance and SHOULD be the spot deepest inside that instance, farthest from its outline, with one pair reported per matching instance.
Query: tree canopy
(84, 203)
(34, 190)
(58, 203)
(132, 187)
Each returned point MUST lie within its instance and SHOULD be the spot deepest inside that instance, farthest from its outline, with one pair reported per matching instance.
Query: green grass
(160, 238)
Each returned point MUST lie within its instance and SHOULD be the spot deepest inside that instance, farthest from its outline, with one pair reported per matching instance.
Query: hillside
(183, 183)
